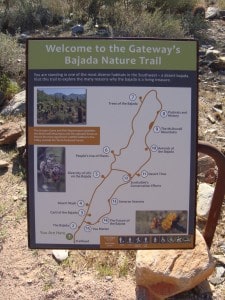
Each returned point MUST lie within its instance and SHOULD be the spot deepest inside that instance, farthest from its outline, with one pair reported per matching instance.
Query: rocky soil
(35, 274)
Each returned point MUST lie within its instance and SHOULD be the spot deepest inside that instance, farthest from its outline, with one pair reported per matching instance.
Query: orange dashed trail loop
(127, 163)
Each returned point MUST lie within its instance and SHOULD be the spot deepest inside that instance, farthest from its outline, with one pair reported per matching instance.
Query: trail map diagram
(121, 185)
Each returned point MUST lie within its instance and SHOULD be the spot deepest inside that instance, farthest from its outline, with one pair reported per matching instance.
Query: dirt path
(34, 274)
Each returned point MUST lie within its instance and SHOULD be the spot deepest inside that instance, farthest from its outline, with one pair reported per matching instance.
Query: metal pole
(219, 192)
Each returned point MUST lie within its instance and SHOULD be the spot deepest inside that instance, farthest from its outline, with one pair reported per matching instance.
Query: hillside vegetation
(148, 18)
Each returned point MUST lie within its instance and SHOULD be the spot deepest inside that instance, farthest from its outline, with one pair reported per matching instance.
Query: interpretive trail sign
(112, 135)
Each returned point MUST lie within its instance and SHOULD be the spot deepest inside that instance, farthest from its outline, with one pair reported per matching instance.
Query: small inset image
(51, 169)
(161, 222)
(57, 105)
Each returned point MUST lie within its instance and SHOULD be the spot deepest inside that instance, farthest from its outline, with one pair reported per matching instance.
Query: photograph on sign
(60, 105)
(111, 140)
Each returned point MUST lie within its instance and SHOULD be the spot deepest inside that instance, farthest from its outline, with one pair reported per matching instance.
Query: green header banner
(100, 54)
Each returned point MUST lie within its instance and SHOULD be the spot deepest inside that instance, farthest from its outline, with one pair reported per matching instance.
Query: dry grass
(12, 57)
(221, 4)
(103, 262)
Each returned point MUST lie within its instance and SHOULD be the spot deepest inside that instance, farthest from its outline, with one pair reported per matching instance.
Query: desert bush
(57, 7)
(173, 6)
(22, 19)
(29, 15)
(147, 24)
(12, 58)
(194, 26)
(221, 4)
(7, 87)
(4, 82)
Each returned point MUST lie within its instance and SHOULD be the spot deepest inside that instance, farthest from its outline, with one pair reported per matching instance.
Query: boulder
(212, 13)
(16, 106)
(164, 273)
(9, 133)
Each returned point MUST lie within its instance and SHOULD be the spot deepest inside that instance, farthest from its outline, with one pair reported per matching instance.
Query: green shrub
(4, 83)
(194, 26)
(21, 20)
(12, 89)
(7, 87)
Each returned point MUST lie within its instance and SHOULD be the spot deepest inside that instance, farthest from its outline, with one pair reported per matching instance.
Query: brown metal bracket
(219, 192)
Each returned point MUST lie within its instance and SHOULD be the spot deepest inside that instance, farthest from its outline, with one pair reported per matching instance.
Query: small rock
(218, 64)
(211, 119)
(23, 37)
(205, 163)
(218, 276)
(108, 278)
(222, 247)
(212, 54)
(211, 176)
(29, 281)
(220, 259)
(202, 52)
(219, 111)
(60, 255)
(3, 164)
(211, 131)
(205, 193)
(15, 198)
(218, 106)
(220, 138)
